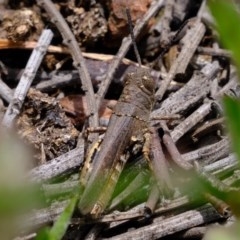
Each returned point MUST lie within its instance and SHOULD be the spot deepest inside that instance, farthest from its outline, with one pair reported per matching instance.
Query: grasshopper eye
(148, 83)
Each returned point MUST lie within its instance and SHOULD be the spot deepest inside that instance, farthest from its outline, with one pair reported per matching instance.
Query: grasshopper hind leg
(85, 171)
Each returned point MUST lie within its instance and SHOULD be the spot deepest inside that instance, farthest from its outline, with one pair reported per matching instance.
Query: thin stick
(25, 82)
(163, 227)
(172, 149)
(5, 92)
(77, 56)
(133, 38)
(57, 166)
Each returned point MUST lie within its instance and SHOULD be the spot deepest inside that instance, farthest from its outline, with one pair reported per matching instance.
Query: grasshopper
(128, 125)
(128, 129)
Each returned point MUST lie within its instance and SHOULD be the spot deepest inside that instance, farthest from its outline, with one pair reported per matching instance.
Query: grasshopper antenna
(133, 38)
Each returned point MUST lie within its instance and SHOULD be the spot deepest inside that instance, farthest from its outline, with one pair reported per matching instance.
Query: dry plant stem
(231, 88)
(222, 173)
(214, 52)
(5, 92)
(57, 81)
(190, 42)
(214, 181)
(27, 237)
(230, 160)
(67, 78)
(159, 163)
(207, 18)
(222, 208)
(48, 215)
(201, 112)
(33, 64)
(57, 166)
(152, 201)
(43, 216)
(214, 88)
(172, 149)
(126, 43)
(165, 23)
(192, 233)
(179, 9)
(209, 153)
(161, 228)
(196, 117)
(201, 9)
(162, 26)
(138, 211)
(191, 94)
(77, 56)
(208, 127)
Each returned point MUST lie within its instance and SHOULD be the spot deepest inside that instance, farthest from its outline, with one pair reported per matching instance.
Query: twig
(33, 64)
(201, 10)
(159, 164)
(126, 43)
(209, 153)
(78, 59)
(40, 217)
(172, 149)
(166, 226)
(190, 43)
(56, 166)
(27, 237)
(192, 233)
(214, 52)
(207, 128)
(212, 179)
(180, 10)
(137, 212)
(152, 201)
(221, 164)
(5, 92)
(165, 23)
(196, 117)
(221, 207)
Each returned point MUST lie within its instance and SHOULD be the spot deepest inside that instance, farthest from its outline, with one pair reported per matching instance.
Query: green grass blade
(228, 22)
(59, 228)
(44, 234)
(232, 109)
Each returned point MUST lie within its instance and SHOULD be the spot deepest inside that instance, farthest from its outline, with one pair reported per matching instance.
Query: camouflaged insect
(128, 125)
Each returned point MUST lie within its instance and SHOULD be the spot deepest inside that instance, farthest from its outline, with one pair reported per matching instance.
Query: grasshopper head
(144, 81)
